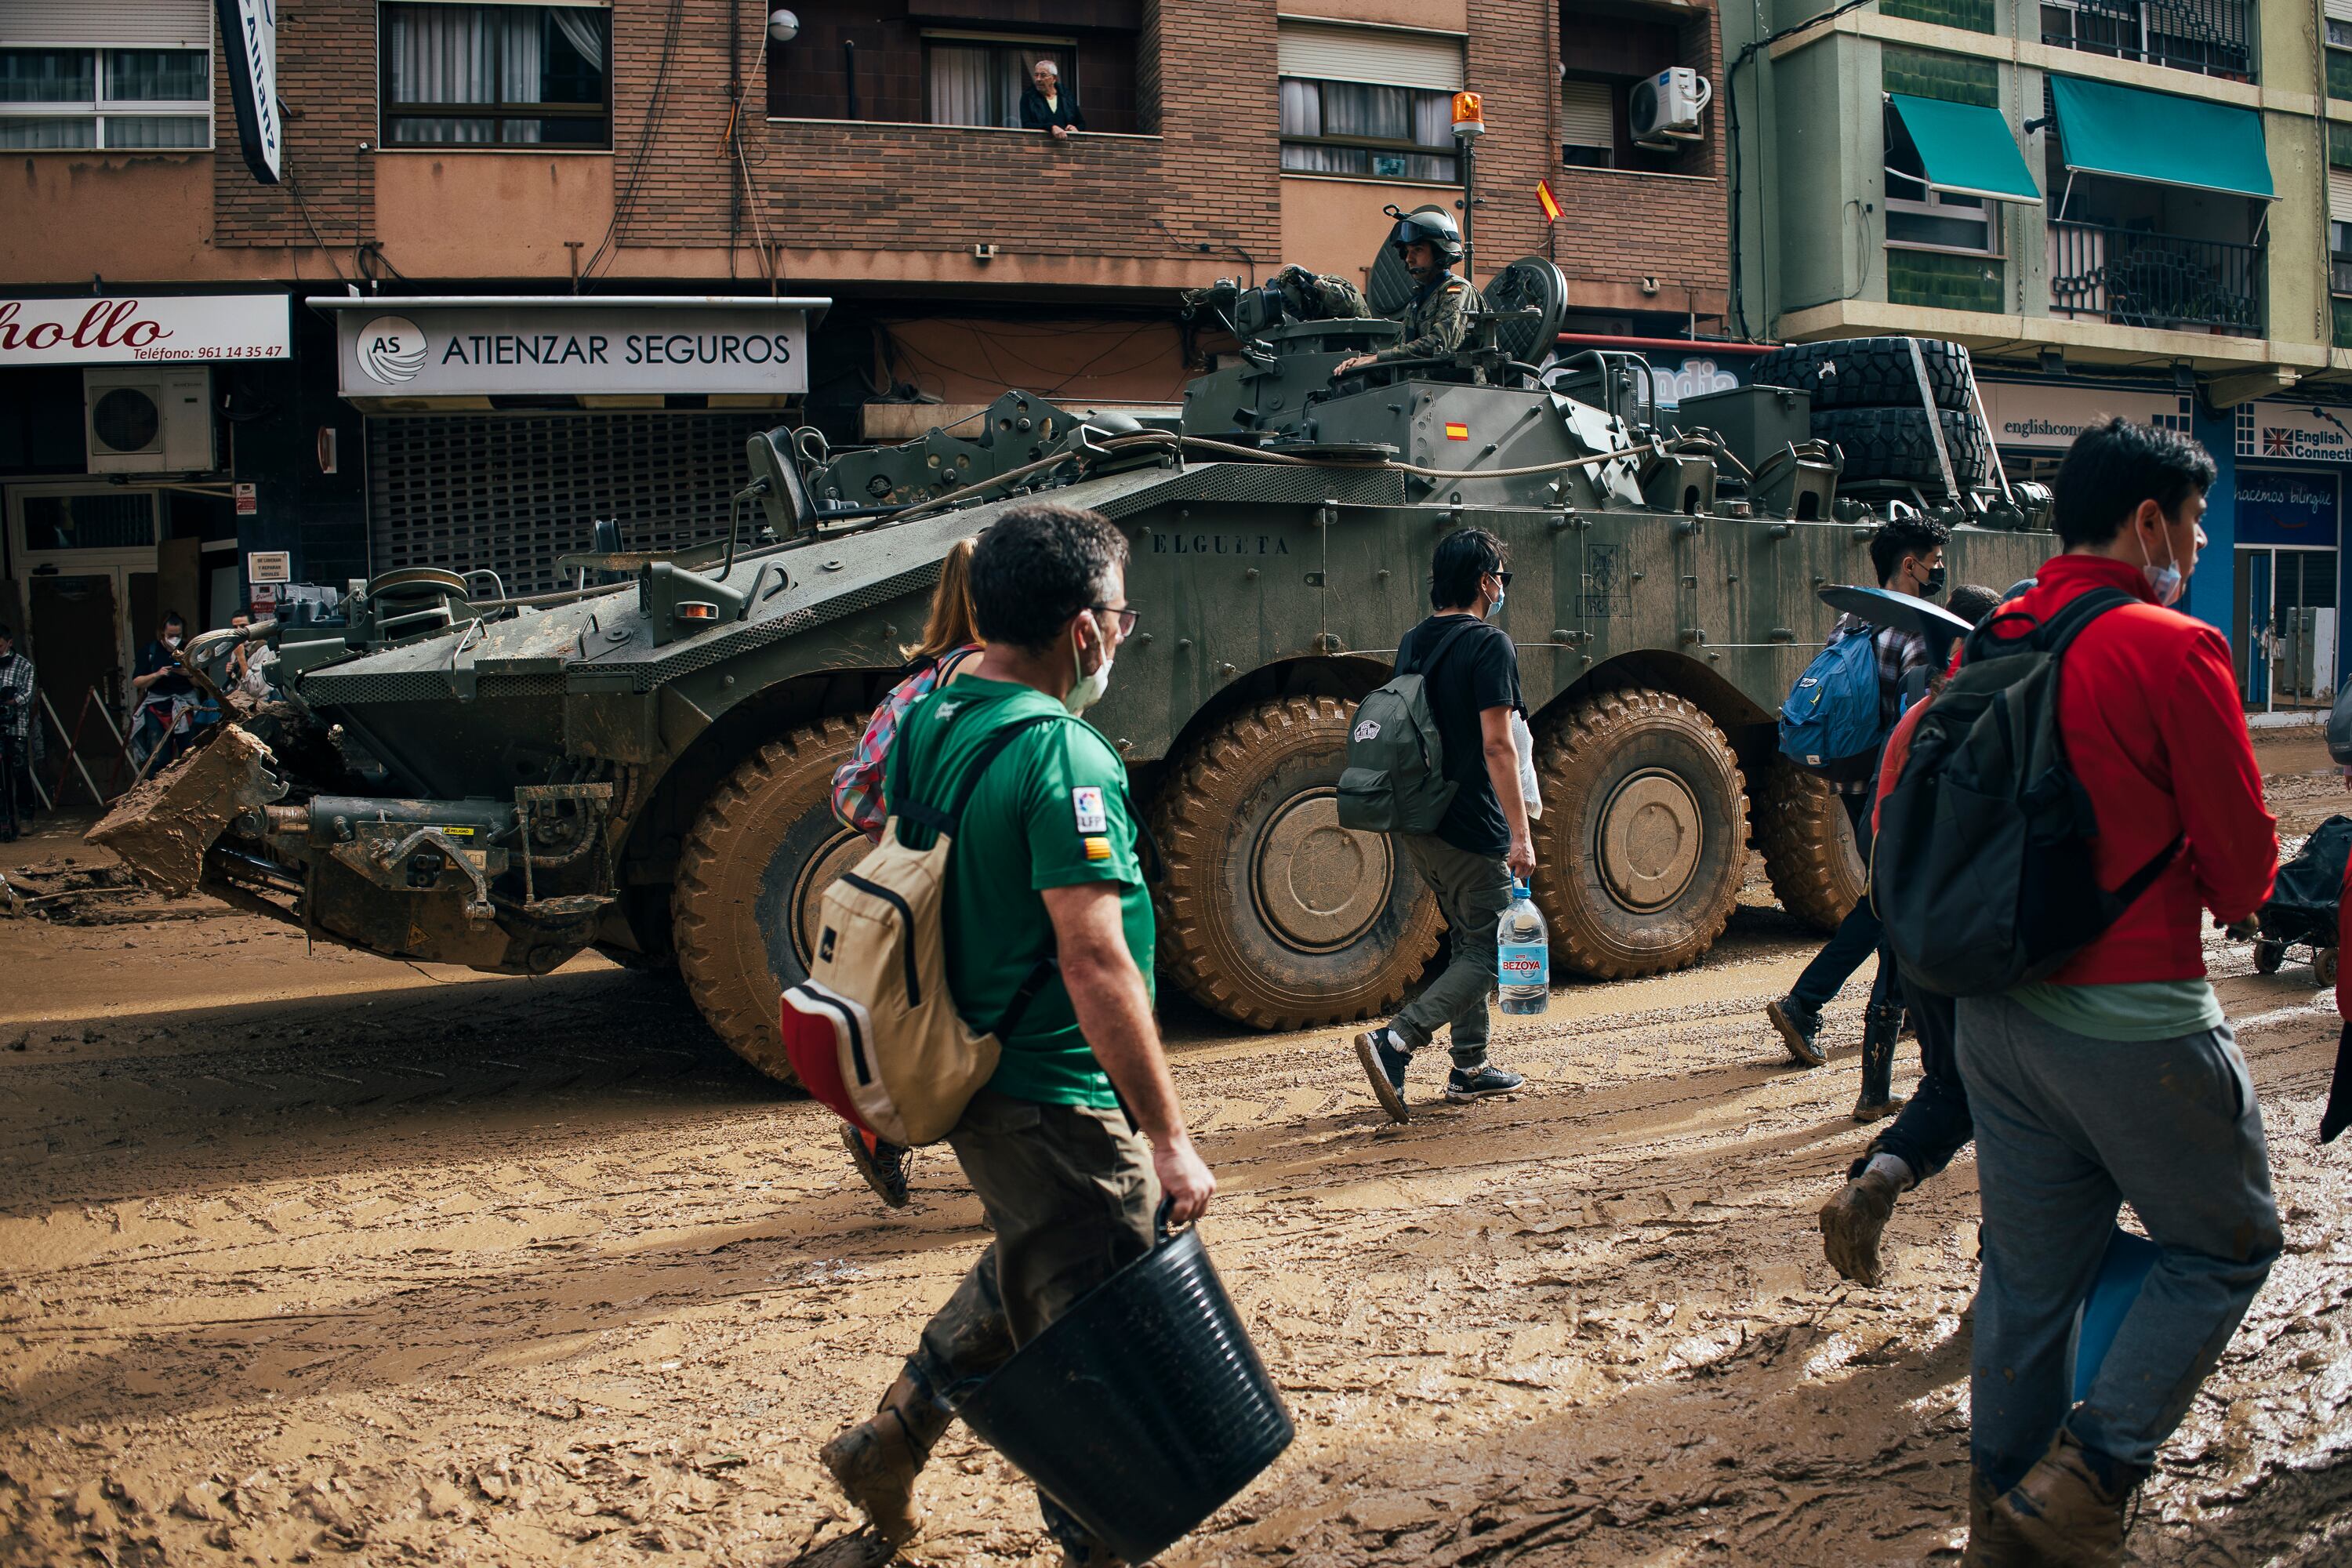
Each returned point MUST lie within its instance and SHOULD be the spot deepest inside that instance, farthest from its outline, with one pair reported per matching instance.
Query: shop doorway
(74, 622)
(2285, 629)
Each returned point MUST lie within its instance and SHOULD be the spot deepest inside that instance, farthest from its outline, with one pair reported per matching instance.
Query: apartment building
(535, 265)
(2129, 206)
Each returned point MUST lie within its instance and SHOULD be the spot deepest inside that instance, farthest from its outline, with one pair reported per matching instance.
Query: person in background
(1437, 314)
(2117, 1080)
(1048, 106)
(949, 647)
(1907, 553)
(17, 700)
(1472, 681)
(248, 662)
(166, 696)
(1934, 1124)
(1078, 1134)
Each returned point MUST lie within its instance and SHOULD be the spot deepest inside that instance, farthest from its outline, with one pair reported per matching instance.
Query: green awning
(2135, 134)
(1966, 149)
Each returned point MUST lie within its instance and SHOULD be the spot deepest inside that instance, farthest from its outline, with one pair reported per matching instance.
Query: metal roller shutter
(512, 493)
(2339, 195)
(2338, 10)
(1586, 116)
(1320, 52)
(137, 24)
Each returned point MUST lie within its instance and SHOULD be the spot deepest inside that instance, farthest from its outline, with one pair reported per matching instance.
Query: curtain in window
(522, 68)
(1302, 108)
(154, 131)
(580, 30)
(48, 76)
(156, 76)
(19, 133)
(444, 54)
(1359, 109)
(959, 80)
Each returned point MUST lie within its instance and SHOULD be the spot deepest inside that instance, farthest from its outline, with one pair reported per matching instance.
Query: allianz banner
(400, 349)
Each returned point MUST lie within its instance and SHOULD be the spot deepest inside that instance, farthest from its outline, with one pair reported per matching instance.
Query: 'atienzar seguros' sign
(445, 352)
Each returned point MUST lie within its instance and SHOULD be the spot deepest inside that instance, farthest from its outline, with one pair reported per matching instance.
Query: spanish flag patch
(1098, 848)
(1457, 432)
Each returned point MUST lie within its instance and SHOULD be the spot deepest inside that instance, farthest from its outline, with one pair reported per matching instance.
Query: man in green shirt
(1043, 867)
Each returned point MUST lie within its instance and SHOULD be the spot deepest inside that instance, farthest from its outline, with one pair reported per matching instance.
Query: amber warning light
(1469, 114)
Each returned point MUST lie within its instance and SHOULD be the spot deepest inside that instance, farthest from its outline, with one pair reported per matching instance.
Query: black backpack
(1981, 870)
(1394, 781)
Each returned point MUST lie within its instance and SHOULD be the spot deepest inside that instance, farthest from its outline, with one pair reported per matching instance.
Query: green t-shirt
(1052, 811)
(2128, 1010)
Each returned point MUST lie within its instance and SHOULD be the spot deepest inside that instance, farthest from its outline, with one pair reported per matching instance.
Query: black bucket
(1143, 1409)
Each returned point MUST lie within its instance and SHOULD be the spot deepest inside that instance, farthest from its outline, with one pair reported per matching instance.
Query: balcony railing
(2212, 37)
(2134, 278)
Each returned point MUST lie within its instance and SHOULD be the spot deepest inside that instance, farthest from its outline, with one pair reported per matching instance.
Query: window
(495, 76)
(1356, 128)
(1588, 126)
(1919, 217)
(126, 99)
(2339, 59)
(976, 80)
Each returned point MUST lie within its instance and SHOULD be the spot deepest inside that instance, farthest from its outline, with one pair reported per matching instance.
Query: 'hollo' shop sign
(143, 329)
(578, 350)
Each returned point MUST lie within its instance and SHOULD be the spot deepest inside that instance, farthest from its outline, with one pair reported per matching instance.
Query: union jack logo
(2277, 441)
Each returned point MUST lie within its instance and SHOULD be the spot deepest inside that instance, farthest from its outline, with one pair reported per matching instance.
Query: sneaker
(1384, 1063)
(1480, 1083)
(1800, 1028)
(883, 1164)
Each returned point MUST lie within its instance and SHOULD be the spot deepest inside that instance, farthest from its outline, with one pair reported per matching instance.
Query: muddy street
(310, 1257)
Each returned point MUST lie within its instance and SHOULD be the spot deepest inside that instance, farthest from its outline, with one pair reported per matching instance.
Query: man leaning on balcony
(1048, 106)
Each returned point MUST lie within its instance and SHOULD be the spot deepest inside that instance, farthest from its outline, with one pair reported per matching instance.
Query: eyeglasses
(1127, 618)
(1502, 577)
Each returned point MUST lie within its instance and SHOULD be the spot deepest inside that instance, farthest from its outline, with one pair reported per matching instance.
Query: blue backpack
(1830, 724)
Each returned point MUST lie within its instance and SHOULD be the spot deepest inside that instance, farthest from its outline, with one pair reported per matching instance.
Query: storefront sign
(2294, 432)
(160, 330)
(423, 351)
(269, 566)
(2047, 417)
(248, 499)
(250, 47)
(2286, 509)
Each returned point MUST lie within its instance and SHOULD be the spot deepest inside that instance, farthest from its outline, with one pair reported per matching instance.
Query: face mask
(1496, 607)
(1933, 588)
(2164, 581)
(171, 642)
(1089, 689)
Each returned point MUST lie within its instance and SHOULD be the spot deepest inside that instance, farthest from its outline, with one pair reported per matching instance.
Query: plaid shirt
(1899, 653)
(16, 696)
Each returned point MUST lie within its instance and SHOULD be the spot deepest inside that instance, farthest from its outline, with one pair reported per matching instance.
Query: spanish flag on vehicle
(1457, 432)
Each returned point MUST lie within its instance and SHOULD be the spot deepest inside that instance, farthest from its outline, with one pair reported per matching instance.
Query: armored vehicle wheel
(1643, 835)
(1272, 914)
(1807, 847)
(759, 857)
(1868, 373)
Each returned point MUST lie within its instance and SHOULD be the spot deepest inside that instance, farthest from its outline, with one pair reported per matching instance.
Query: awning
(2161, 138)
(1966, 149)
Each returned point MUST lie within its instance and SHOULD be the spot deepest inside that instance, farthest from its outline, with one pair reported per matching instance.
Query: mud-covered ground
(306, 1256)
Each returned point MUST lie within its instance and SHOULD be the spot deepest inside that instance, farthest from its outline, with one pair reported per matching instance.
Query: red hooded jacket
(2150, 707)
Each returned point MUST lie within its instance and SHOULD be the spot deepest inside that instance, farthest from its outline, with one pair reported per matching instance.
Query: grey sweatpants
(2068, 1127)
(1474, 892)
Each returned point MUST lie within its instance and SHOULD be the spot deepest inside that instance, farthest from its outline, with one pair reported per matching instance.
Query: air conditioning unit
(1666, 108)
(140, 419)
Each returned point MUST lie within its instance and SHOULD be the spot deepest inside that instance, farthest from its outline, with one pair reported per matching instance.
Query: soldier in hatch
(1439, 312)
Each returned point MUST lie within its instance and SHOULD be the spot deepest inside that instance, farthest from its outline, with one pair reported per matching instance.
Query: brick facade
(327, 79)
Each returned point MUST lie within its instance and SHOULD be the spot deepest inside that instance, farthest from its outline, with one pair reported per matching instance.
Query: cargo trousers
(1070, 1193)
(1474, 892)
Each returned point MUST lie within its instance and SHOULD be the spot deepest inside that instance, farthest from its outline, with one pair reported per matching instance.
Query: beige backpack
(873, 1032)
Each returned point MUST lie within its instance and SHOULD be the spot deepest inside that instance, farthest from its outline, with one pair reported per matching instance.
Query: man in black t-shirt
(1472, 688)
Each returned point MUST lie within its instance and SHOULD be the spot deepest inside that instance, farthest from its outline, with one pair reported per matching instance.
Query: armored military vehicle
(642, 767)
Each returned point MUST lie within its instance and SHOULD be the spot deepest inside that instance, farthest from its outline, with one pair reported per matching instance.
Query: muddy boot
(1877, 1065)
(1993, 1538)
(875, 1461)
(2069, 1509)
(1801, 1030)
(1852, 1223)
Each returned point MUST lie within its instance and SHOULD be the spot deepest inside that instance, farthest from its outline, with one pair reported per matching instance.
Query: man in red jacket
(2117, 1078)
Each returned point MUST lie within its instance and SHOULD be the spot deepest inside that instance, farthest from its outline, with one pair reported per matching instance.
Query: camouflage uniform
(1435, 319)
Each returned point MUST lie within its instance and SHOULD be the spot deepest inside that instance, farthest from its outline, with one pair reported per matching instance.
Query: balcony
(2212, 38)
(2131, 277)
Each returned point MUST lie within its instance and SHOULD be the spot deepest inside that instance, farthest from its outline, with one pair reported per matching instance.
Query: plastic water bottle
(1523, 955)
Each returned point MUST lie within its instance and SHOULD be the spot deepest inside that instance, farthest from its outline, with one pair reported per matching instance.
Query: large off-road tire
(1643, 835)
(1807, 847)
(1868, 373)
(1894, 444)
(759, 858)
(1271, 912)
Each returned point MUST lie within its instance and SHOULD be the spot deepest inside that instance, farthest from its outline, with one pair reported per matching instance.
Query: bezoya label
(1523, 965)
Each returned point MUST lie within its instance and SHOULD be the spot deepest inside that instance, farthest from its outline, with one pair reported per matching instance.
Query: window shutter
(2339, 10)
(1587, 118)
(1432, 61)
(2339, 195)
(128, 24)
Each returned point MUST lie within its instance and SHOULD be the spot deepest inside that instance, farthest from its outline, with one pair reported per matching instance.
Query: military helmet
(1434, 225)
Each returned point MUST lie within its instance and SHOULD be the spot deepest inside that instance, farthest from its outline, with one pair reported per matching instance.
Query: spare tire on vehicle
(1895, 443)
(1869, 373)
